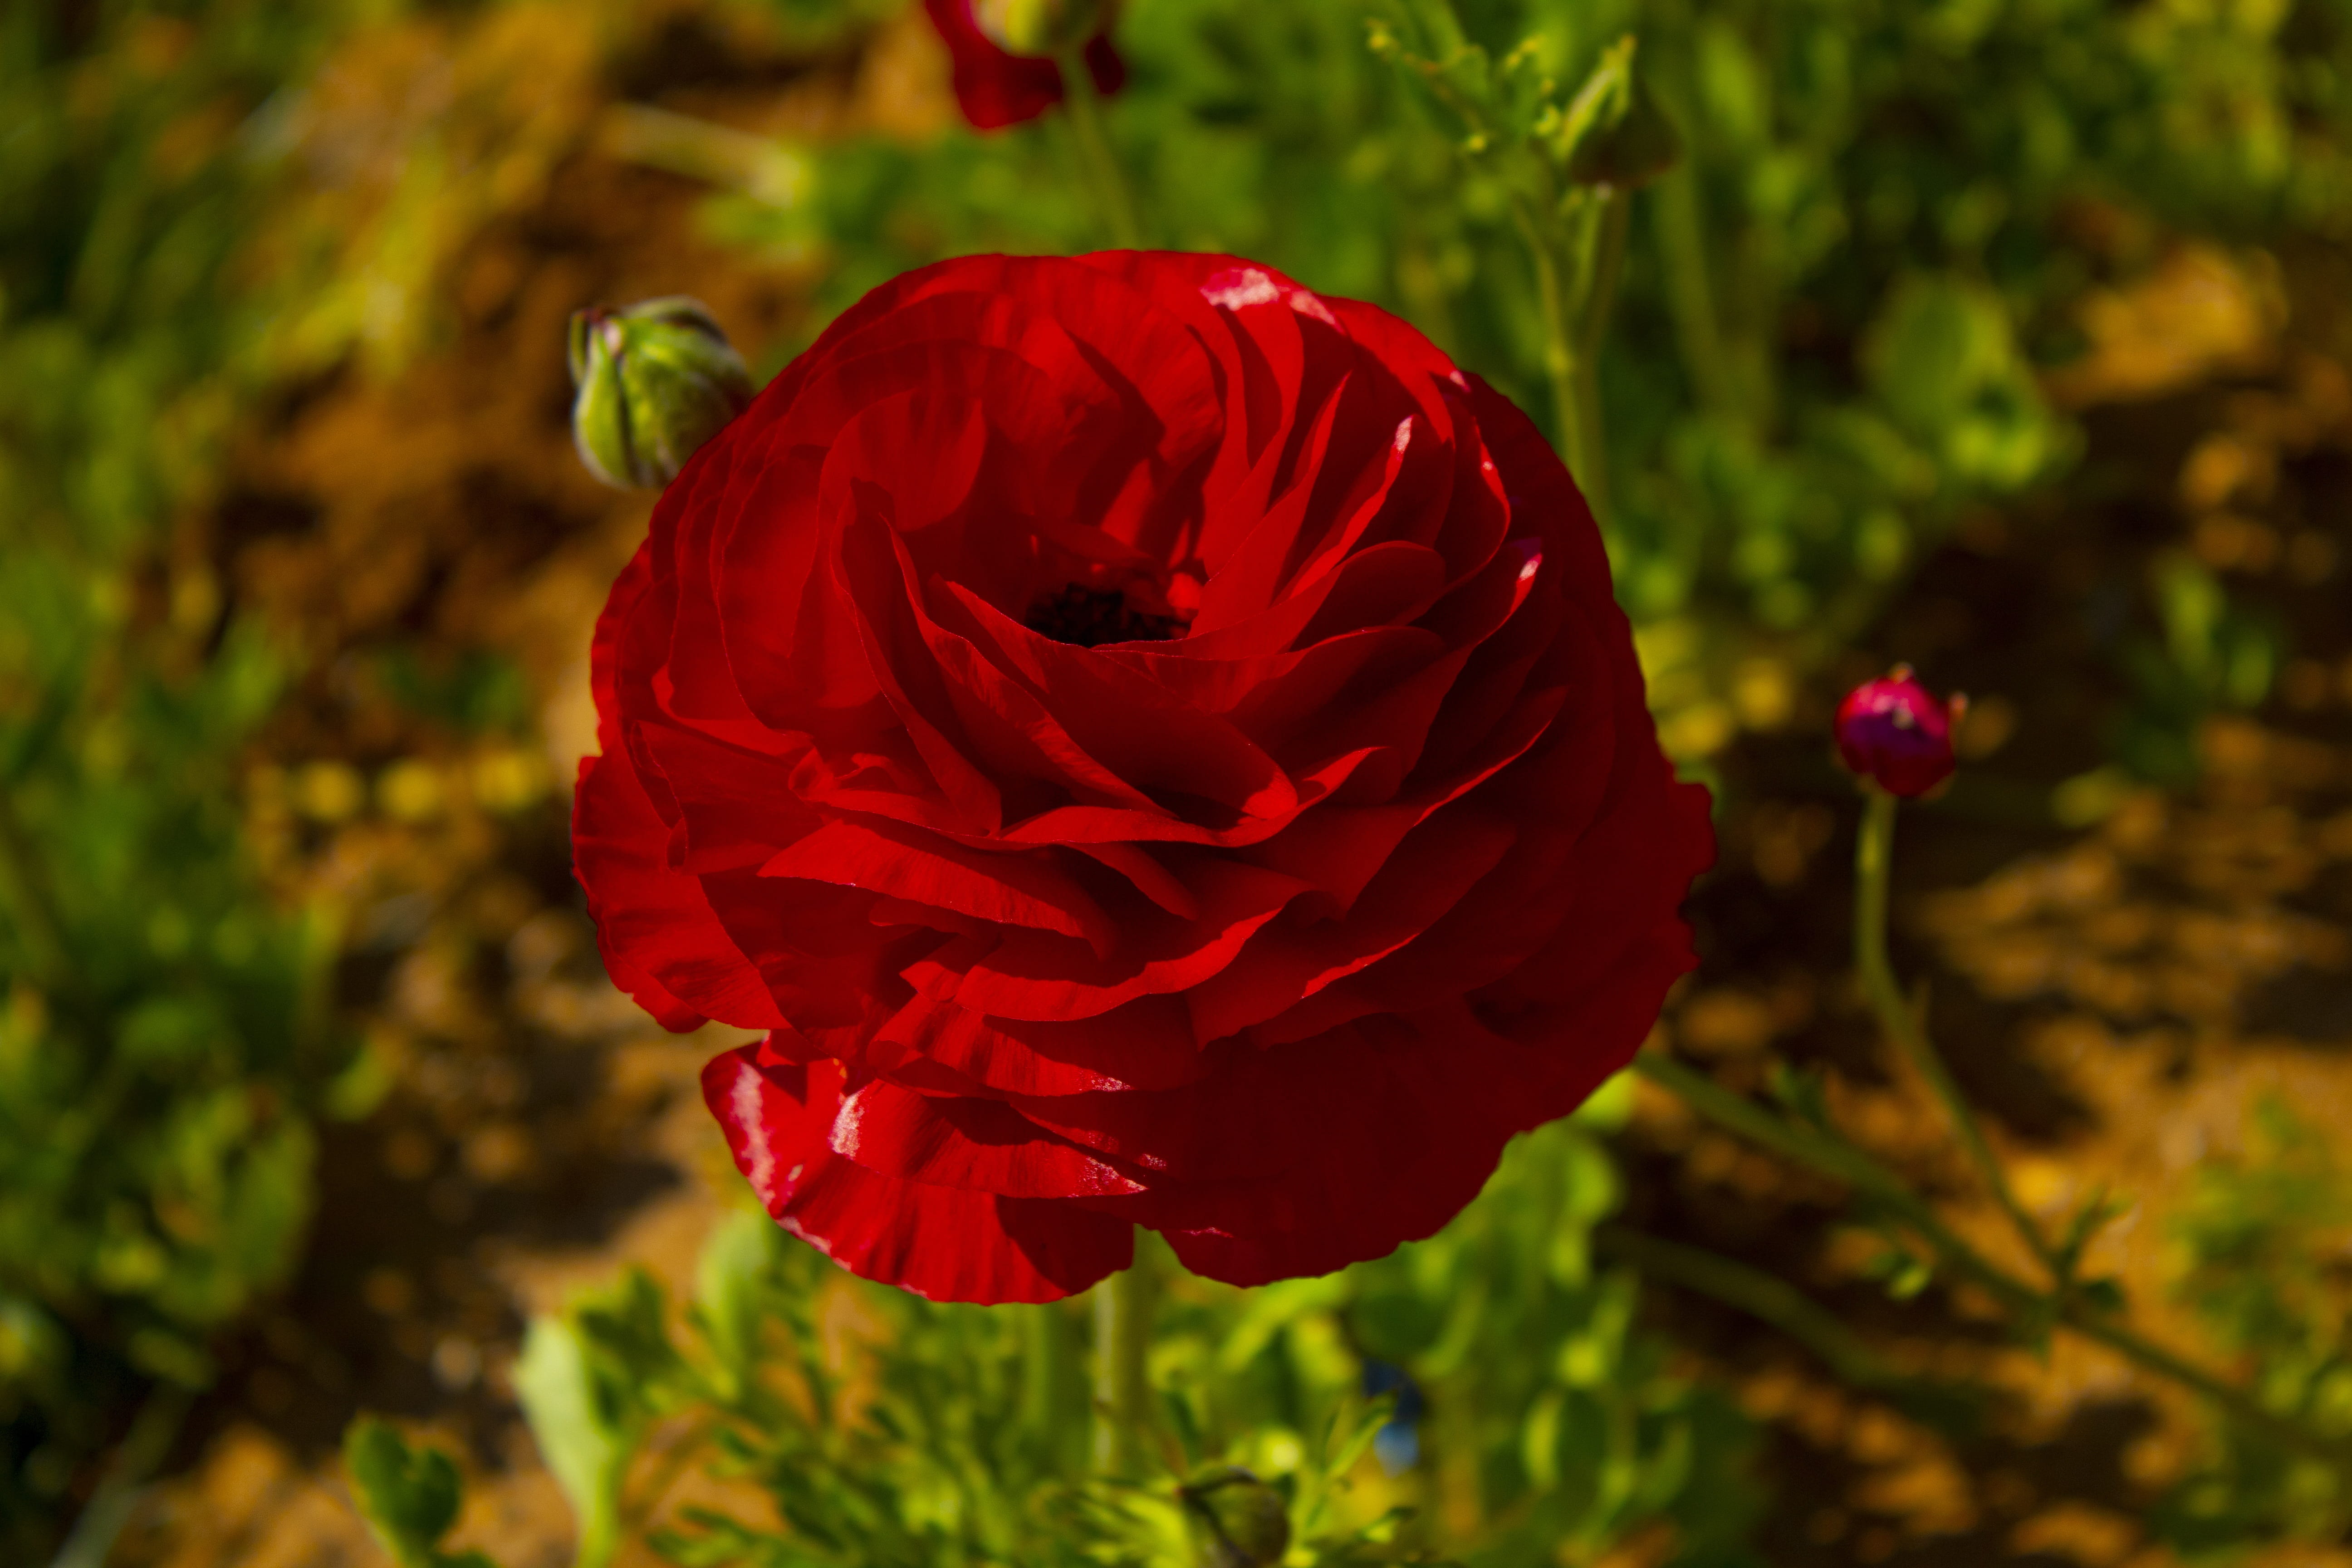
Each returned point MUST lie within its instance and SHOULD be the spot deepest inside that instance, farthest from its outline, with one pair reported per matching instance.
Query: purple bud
(1896, 733)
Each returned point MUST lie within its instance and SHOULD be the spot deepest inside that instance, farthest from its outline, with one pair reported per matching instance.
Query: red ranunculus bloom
(995, 88)
(1150, 745)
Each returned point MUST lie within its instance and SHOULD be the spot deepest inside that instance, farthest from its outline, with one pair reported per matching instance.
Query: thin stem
(1762, 1296)
(1054, 1385)
(1123, 1309)
(1840, 1160)
(1689, 289)
(32, 900)
(2023, 1301)
(1560, 342)
(1083, 107)
(1591, 330)
(1873, 861)
(670, 1464)
(2084, 1320)
(110, 1507)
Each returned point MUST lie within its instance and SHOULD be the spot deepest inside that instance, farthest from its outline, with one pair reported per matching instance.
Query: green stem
(1054, 1387)
(1762, 1296)
(2023, 1301)
(669, 1465)
(1840, 1160)
(1123, 1310)
(1874, 859)
(1083, 107)
(1552, 283)
(1591, 330)
(110, 1507)
(1690, 289)
(2084, 1320)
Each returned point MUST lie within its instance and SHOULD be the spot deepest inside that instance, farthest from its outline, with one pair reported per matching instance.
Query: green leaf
(585, 1437)
(408, 1494)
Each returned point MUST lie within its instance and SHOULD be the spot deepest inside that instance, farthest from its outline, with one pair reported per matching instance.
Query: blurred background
(2005, 337)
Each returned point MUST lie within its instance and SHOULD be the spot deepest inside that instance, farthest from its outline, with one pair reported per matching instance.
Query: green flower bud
(1038, 26)
(1236, 1520)
(654, 381)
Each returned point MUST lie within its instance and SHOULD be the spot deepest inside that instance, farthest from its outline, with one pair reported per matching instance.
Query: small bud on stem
(654, 381)
(1896, 733)
(1040, 27)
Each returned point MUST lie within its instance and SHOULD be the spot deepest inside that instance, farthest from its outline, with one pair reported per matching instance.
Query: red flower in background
(1150, 745)
(994, 87)
(1898, 734)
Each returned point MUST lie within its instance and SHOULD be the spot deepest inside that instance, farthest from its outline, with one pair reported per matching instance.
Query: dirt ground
(2119, 993)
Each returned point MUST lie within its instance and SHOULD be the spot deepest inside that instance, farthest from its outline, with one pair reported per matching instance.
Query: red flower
(1896, 733)
(1150, 745)
(995, 88)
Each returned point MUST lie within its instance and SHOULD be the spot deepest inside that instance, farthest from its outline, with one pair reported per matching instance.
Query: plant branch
(1689, 289)
(1608, 265)
(2083, 1319)
(1552, 285)
(142, 1450)
(1872, 862)
(1762, 1296)
(1082, 106)
(1837, 1158)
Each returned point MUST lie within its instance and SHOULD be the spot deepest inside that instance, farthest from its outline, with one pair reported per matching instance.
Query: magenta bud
(1896, 733)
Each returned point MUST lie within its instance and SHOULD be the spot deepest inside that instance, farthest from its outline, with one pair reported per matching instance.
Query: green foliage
(1577, 1432)
(409, 1496)
(2212, 656)
(164, 1039)
(2258, 1242)
(1834, 309)
(888, 1430)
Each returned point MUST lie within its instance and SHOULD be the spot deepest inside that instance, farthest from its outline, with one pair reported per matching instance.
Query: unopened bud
(654, 382)
(1896, 733)
(1236, 1520)
(1038, 26)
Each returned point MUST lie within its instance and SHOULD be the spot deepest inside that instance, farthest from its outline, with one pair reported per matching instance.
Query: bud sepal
(1040, 28)
(653, 381)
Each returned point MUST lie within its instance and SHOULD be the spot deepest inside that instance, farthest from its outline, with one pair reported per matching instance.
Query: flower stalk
(1872, 864)
(1124, 1307)
(1610, 223)
(2033, 1308)
(1579, 437)
(1081, 106)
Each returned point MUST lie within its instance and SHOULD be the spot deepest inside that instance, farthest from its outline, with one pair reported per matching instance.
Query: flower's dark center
(1093, 616)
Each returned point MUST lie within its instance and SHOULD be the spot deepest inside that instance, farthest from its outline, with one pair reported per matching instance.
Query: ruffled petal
(1268, 931)
(945, 1244)
(661, 940)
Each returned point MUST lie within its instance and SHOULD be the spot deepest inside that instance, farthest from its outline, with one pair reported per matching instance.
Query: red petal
(1027, 976)
(984, 1145)
(652, 923)
(943, 1242)
(1147, 1044)
(1017, 889)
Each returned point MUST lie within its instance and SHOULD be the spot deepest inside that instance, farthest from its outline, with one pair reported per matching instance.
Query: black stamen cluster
(1090, 617)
